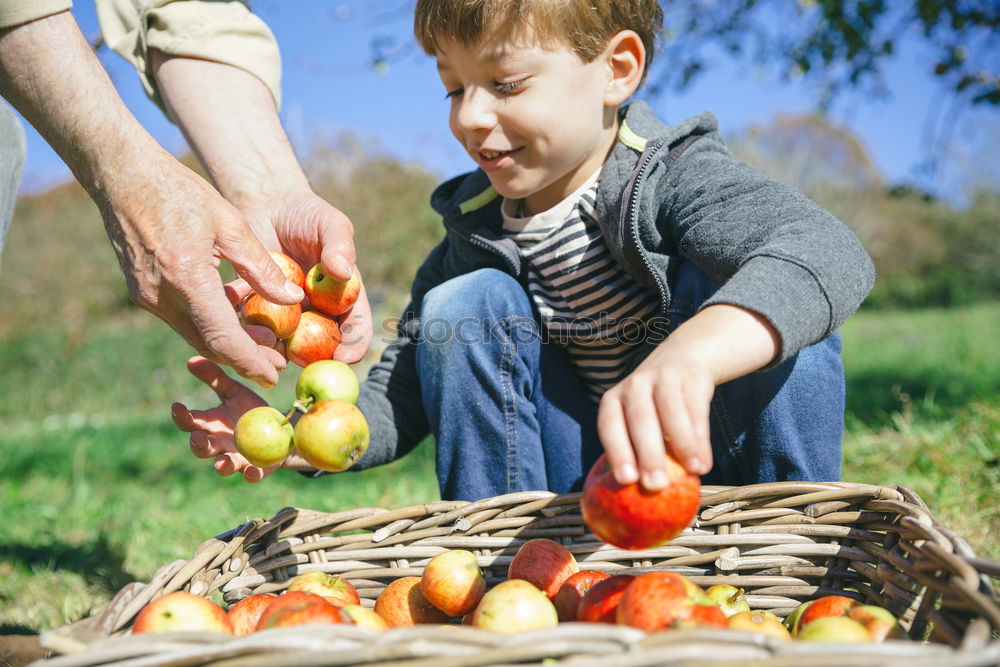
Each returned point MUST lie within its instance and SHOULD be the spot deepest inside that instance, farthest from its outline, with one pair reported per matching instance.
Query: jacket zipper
(631, 223)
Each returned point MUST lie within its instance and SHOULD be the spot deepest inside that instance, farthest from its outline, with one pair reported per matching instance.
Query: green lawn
(98, 489)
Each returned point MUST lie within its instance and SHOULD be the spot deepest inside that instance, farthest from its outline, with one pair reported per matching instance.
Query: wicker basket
(783, 543)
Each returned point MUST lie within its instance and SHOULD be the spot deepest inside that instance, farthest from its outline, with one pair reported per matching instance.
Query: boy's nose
(475, 111)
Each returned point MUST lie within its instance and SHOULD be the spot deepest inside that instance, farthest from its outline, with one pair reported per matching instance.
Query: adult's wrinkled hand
(307, 228)
(170, 237)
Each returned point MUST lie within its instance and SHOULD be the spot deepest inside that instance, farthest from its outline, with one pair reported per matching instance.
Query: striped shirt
(586, 302)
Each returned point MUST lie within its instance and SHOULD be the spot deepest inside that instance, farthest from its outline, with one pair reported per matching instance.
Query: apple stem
(301, 406)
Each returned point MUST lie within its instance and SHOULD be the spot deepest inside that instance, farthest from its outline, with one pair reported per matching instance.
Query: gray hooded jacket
(667, 194)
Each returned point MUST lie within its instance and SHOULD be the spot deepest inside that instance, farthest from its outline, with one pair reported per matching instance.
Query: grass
(98, 489)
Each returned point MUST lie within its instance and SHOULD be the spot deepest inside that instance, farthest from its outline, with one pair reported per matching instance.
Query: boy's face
(533, 117)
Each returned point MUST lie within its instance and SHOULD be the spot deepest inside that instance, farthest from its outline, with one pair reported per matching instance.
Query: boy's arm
(773, 251)
(666, 398)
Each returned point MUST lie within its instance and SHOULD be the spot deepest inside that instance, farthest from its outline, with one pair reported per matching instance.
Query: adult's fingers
(225, 339)
(337, 238)
(355, 330)
(212, 375)
(254, 264)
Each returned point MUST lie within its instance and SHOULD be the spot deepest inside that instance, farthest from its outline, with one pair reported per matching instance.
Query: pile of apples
(544, 587)
(332, 432)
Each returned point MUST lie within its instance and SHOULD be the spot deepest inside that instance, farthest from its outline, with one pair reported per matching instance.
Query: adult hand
(307, 228)
(212, 430)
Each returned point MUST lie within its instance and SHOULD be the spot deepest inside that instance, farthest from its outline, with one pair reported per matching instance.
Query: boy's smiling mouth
(490, 160)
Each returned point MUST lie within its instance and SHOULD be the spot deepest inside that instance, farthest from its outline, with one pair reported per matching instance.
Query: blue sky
(329, 87)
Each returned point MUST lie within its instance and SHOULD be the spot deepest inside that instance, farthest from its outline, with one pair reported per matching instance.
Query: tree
(837, 44)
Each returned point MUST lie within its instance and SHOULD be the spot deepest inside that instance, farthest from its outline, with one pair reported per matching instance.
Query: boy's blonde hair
(584, 25)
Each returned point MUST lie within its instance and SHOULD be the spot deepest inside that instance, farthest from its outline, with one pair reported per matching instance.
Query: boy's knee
(474, 294)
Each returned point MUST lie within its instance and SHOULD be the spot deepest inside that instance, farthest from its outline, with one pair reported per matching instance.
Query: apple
(760, 622)
(325, 380)
(879, 622)
(704, 616)
(567, 598)
(181, 611)
(293, 272)
(332, 435)
(600, 603)
(245, 613)
(332, 587)
(792, 620)
(828, 605)
(453, 582)
(315, 339)
(301, 614)
(729, 599)
(835, 629)
(402, 604)
(658, 600)
(545, 563)
(513, 606)
(329, 295)
(290, 599)
(279, 318)
(264, 436)
(631, 517)
(364, 617)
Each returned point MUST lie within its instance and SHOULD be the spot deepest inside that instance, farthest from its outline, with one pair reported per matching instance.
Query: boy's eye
(453, 93)
(507, 87)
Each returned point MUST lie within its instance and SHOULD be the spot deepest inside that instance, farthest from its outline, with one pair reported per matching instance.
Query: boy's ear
(626, 59)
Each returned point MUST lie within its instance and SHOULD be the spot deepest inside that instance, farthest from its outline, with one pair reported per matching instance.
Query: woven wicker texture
(783, 543)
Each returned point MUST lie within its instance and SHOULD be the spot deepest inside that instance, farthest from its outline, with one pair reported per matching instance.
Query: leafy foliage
(838, 44)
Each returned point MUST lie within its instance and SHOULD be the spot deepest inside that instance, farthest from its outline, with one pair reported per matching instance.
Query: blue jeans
(509, 413)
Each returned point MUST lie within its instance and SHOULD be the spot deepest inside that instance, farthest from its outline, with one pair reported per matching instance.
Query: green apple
(729, 599)
(264, 436)
(835, 629)
(326, 380)
(332, 435)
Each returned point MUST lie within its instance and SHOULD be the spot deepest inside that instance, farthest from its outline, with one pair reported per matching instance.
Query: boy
(605, 280)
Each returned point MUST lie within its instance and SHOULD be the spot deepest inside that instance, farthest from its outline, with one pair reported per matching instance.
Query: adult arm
(168, 226)
(230, 119)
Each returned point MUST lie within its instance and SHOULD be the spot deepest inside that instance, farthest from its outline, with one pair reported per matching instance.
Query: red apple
(729, 599)
(293, 272)
(453, 582)
(567, 598)
(828, 605)
(263, 436)
(329, 295)
(760, 622)
(315, 339)
(332, 587)
(658, 600)
(544, 563)
(301, 614)
(704, 616)
(835, 629)
(879, 622)
(364, 617)
(326, 380)
(630, 517)
(179, 612)
(245, 613)
(402, 604)
(332, 435)
(292, 599)
(600, 603)
(515, 605)
(279, 318)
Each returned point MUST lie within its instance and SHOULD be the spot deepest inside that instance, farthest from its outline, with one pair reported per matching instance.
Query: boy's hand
(212, 430)
(665, 402)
